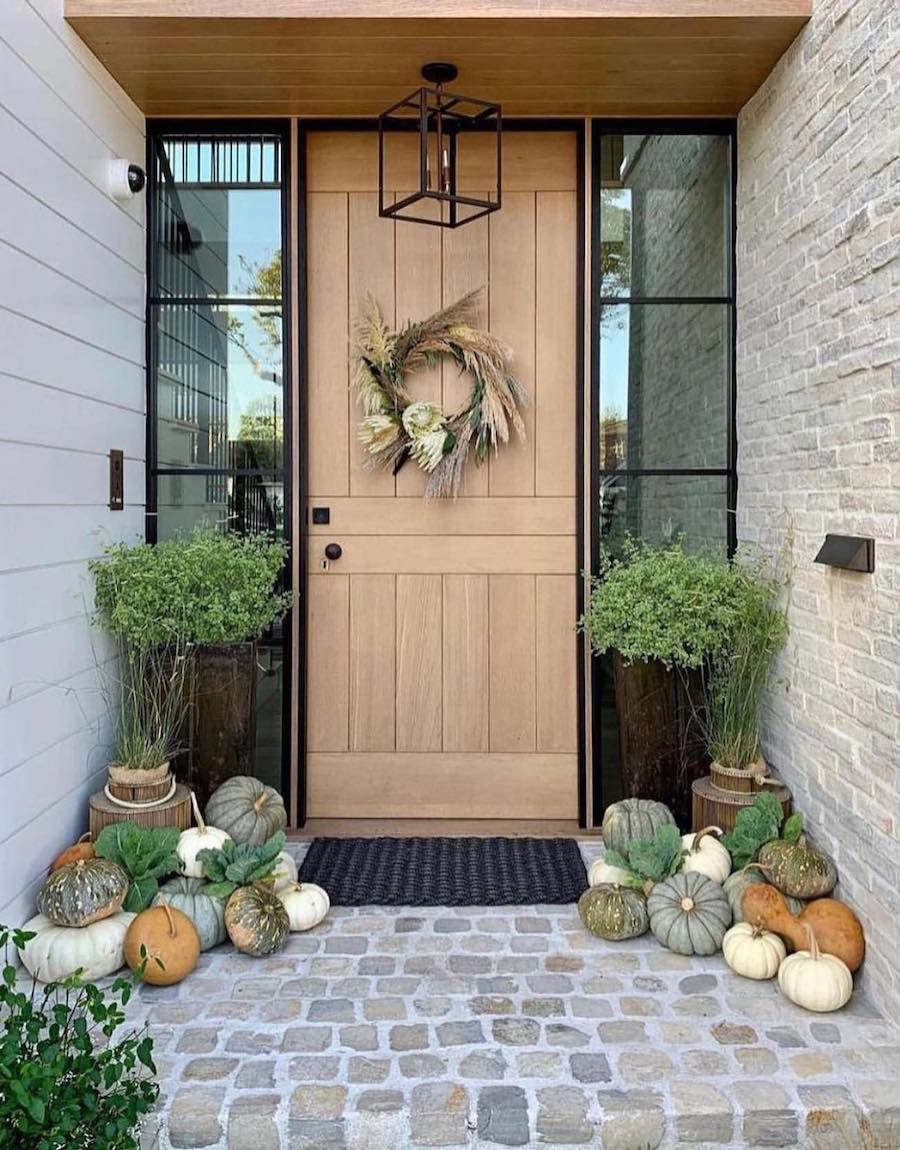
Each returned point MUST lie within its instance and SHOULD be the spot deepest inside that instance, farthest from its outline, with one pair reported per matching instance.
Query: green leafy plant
(661, 603)
(146, 854)
(239, 864)
(739, 673)
(759, 824)
(651, 860)
(67, 1079)
(206, 588)
(147, 700)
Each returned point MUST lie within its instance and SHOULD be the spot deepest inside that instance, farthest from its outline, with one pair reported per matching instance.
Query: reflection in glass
(247, 504)
(662, 508)
(220, 386)
(663, 215)
(664, 371)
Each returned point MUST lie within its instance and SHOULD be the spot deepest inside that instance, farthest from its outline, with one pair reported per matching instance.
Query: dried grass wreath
(396, 428)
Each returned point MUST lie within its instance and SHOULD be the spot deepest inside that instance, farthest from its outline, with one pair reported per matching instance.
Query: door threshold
(428, 828)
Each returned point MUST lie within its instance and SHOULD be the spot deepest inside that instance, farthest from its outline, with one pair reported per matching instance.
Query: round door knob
(333, 551)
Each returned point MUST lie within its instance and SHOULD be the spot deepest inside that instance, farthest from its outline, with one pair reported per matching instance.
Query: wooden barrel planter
(174, 812)
(719, 797)
(139, 786)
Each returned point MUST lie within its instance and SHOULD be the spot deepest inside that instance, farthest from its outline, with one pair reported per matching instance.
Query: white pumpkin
(197, 839)
(285, 873)
(306, 904)
(815, 981)
(602, 872)
(753, 952)
(56, 952)
(706, 855)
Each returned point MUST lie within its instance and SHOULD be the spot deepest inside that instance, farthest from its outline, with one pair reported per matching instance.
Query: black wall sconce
(441, 121)
(849, 552)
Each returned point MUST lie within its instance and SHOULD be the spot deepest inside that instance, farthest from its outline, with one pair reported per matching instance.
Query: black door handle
(333, 551)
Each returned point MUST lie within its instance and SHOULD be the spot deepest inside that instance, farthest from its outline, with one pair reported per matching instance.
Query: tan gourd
(170, 942)
(814, 980)
(837, 929)
(83, 849)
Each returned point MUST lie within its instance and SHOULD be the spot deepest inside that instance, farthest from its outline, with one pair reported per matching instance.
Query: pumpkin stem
(198, 818)
(695, 845)
(766, 870)
(812, 944)
(85, 838)
(687, 903)
(260, 803)
(172, 928)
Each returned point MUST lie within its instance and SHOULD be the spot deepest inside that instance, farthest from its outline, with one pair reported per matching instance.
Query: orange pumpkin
(169, 941)
(78, 852)
(837, 929)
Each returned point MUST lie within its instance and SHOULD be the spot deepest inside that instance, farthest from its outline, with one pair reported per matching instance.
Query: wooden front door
(441, 658)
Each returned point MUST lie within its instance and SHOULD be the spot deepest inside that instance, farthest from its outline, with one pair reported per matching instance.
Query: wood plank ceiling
(537, 57)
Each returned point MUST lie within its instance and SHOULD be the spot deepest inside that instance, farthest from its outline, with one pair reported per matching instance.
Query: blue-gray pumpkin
(246, 810)
(689, 913)
(633, 819)
(206, 913)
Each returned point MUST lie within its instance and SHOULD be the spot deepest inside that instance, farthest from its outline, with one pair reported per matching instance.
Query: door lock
(333, 551)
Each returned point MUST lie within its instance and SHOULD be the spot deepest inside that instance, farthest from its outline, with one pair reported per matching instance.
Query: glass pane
(219, 217)
(663, 215)
(243, 503)
(664, 375)
(219, 386)
(661, 508)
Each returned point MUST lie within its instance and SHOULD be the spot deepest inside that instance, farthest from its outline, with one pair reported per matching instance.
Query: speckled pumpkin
(247, 810)
(83, 892)
(633, 819)
(797, 869)
(207, 914)
(689, 913)
(614, 912)
(256, 920)
(736, 885)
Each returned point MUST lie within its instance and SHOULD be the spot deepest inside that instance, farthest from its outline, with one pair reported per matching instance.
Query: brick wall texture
(818, 421)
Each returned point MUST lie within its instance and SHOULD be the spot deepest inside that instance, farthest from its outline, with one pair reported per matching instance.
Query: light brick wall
(818, 419)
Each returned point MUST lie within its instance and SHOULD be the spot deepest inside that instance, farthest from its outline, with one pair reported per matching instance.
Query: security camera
(124, 179)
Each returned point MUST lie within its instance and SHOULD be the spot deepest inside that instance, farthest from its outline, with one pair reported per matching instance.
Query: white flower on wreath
(422, 418)
(377, 432)
(428, 450)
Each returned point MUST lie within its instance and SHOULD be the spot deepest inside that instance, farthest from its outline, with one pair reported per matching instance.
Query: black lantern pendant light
(440, 128)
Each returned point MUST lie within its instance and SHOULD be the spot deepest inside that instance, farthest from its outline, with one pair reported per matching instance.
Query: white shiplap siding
(71, 387)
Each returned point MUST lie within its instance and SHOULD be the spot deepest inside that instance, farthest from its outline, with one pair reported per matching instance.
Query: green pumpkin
(797, 869)
(736, 884)
(83, 892)
(256, 920)
(614, 912)
(633, 819)
(206, 913)
(247, 810)
(689, 913)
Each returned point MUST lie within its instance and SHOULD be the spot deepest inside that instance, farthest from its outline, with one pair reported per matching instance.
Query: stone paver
(393, 1030)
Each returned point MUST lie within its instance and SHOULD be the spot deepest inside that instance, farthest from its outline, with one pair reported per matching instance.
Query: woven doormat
(446, 871)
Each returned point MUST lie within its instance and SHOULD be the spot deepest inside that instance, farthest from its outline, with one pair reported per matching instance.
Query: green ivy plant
(239, 864)
(759, 824)
(206, 588)
(146, 854)
(67, 1079)
(661, 603)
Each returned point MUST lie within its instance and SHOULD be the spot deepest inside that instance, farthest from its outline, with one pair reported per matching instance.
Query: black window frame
(158, 129)
(726, 128)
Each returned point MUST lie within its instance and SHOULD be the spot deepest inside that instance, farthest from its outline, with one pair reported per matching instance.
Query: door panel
(441, 647)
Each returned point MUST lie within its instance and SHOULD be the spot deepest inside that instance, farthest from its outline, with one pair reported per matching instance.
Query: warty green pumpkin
(633, 819)
(797, 869)
(689, 913)
(256, 920)
(206, 913)
(83, 892)
(614, 912)
(246, 810)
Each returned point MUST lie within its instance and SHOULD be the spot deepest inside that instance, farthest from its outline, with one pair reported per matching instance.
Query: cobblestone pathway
(489, 1027)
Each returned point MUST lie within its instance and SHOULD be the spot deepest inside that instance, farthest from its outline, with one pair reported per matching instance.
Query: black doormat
(445, 871)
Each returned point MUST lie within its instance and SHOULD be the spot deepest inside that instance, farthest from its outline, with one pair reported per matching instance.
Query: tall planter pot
(661, 751)
(222, 720)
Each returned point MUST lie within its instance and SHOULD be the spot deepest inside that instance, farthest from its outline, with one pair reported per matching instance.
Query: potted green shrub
(662, 612)
(218, 594)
